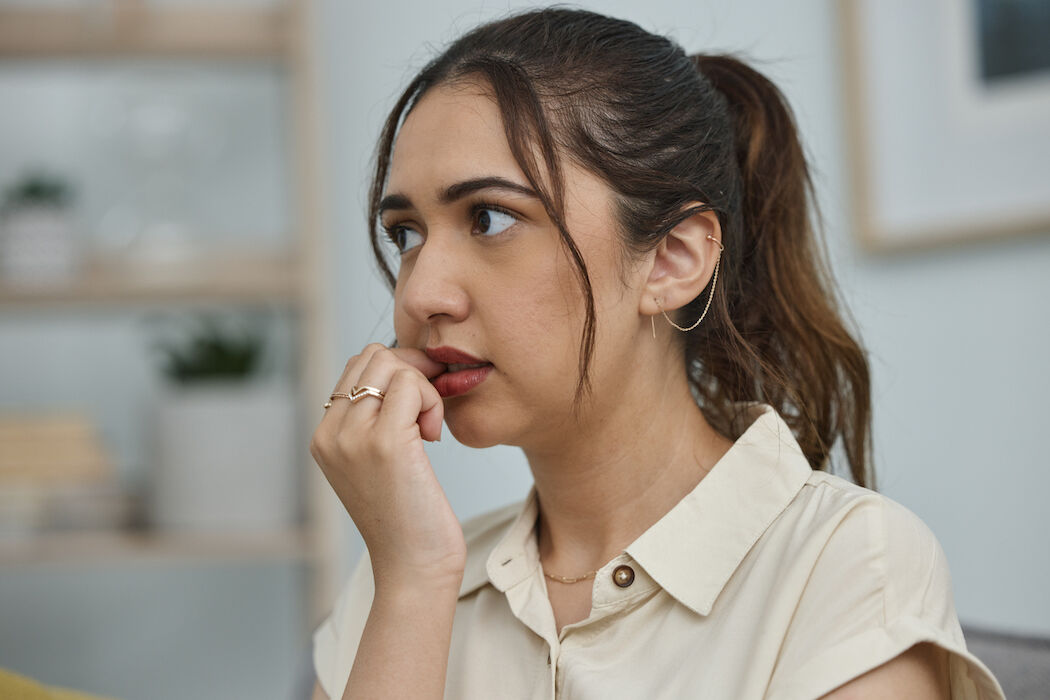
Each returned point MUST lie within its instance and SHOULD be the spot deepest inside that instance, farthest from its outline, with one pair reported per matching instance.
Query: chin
(472, 435)
(475, 428)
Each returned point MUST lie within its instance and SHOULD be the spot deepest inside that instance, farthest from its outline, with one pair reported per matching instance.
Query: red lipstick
(464, 371)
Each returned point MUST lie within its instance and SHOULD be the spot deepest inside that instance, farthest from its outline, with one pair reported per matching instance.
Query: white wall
(958, 342)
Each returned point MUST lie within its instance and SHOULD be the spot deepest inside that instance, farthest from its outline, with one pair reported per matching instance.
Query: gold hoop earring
(714, 279)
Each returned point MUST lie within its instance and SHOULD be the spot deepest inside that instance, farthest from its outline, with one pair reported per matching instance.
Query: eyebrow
(458, 191)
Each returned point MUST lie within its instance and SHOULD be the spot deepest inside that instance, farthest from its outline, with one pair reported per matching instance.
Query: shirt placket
(618, 586)
(529, 604)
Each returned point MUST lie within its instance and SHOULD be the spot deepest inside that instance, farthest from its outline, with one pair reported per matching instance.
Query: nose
(432, 285)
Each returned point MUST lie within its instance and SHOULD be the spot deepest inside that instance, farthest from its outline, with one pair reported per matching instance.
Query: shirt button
(623, 576)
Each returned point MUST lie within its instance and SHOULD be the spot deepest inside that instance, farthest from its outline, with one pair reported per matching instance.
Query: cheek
(407, 330)
(538, 331)
(552, 298)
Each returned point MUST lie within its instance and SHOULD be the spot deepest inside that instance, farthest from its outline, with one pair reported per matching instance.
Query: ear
(682, 264)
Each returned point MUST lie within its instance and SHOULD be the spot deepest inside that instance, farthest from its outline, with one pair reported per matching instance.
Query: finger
(411, 401)
(356, 365)
(418, 359)
(381, 368)
(348, 379)
(432, 413)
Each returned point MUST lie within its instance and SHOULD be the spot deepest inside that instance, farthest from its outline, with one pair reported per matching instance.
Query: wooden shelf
(126, 27)
(80, 548)
(227, 276)
(287, 35)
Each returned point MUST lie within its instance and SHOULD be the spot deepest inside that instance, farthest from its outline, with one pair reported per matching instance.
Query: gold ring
(360, 392)
(357, 394)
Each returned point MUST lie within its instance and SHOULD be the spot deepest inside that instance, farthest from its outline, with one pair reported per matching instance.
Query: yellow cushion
(16, 687)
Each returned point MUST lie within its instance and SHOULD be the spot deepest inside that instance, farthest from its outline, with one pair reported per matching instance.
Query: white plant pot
(38, 246)
(226, 458)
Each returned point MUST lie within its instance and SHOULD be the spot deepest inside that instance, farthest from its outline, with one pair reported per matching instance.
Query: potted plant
(37, 240)
(224, 434)
(211, 353)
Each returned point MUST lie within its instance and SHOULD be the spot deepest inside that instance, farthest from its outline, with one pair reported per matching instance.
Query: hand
(372, 454)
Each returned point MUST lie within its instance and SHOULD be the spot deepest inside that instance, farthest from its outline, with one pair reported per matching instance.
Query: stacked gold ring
(357, 393)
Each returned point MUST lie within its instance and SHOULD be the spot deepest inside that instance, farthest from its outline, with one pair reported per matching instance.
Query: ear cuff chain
(714, 279)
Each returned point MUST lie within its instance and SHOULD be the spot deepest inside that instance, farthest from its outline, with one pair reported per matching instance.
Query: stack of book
(56, 474)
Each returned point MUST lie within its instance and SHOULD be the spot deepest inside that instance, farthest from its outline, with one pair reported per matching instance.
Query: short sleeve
(336, 638)
(880, 585)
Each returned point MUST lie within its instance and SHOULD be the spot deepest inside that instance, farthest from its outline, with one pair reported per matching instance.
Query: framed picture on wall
(948, 119)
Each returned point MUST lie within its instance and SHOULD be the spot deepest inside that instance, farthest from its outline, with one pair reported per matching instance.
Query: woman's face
(483, 271)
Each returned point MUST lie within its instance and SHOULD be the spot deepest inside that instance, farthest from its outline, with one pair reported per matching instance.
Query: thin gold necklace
(555, 577)
(569, 579)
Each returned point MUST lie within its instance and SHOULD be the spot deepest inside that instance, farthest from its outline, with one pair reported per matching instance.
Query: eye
(403, 237)
(490, 220)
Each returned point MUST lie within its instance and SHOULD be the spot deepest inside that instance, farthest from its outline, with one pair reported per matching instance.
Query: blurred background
(184, 271)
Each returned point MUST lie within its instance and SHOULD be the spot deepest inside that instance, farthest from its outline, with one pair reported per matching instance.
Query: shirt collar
(502, 554)
(693, 549)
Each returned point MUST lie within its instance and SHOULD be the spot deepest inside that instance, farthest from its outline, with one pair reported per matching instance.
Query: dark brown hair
(665, 130)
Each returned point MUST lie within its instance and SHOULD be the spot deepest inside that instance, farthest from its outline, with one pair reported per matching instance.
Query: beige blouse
(769, 580)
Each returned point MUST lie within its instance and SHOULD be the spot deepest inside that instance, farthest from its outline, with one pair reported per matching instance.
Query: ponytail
(786, 334)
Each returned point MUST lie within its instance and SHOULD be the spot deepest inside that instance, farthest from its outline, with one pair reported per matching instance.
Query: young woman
(605, 256)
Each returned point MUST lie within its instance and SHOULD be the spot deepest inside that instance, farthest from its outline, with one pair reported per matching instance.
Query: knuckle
(385, 356)
(318, 446)
(402, 378)
(409, 374)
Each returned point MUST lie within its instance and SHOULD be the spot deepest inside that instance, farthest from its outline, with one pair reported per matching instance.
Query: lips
(456, 367)
(463, 371)
(447, 356)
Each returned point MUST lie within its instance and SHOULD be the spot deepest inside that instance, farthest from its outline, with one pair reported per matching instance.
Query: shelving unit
(123, 27)
(289, 279)
(103, 548)
(239, 276)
